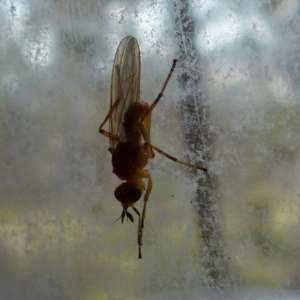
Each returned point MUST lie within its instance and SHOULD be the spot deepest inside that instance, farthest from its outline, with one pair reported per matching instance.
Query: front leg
(144, 174)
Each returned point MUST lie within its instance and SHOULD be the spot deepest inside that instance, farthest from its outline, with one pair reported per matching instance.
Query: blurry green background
(56, 184)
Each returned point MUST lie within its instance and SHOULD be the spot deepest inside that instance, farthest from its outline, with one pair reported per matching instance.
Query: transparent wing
(125, 85)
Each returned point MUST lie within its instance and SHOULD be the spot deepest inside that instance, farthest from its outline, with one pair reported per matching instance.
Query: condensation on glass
(56, 187)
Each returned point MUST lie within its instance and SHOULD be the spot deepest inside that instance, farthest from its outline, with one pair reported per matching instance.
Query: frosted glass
(232, 105)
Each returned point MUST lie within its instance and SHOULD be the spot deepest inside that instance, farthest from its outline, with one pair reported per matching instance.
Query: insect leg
(147, 175)
(139, 232)
(161, 92)
(177, 160)
(145, 128)
(144, 174)
(106, 133)
(113, 107)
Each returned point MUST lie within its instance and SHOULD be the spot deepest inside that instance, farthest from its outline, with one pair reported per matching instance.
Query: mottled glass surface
(232, 105)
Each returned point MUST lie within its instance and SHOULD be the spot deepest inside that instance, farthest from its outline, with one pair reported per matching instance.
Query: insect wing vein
(125, 85)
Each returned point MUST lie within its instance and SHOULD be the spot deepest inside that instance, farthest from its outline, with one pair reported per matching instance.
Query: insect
(129, 132)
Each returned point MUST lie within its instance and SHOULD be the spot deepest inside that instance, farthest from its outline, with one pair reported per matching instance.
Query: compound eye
(133, 194)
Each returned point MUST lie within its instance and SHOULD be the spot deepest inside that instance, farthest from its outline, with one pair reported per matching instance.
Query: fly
(129, 132)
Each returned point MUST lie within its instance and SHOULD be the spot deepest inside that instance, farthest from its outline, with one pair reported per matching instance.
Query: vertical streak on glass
(194, 107)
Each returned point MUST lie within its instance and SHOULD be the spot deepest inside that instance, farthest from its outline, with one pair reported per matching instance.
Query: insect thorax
(132, 119)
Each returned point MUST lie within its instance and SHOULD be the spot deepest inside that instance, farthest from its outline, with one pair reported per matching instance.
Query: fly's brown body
(129, 132)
